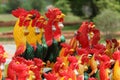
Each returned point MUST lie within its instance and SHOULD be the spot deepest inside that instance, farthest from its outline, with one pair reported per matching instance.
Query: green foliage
(108, 21)
(2, 8)
(27, 4)
(90, 8)
(63, 5)
(108, 4)
(72, 18)
(12, 4)
(70, 28)
(38, 4)
(86, 8)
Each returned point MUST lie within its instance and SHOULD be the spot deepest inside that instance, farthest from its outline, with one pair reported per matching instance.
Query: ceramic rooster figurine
(3, 56)
(18, 32)
(104, 68)
(55, 19)
(111, 46)
(53, 33)
(42, 47)
(31, 38)
(17, 70)
(22, 69)
(116, 68)
(88, 35)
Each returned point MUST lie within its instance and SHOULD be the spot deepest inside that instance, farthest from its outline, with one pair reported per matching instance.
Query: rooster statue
(88, 37)
(42, 47)
(31, 38)
(3, 56)
(19, 32)
(52, 33)
(25, 33)
(104, 67)
(22, 69)
(116, 68)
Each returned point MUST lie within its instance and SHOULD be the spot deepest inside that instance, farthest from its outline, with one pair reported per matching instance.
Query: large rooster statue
(52, 33)
(19, 32)
(55, 19)
(31, 38)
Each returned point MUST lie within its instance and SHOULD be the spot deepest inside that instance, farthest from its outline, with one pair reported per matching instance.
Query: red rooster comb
(34, 13)
(52, 13)
(18, 12)
(104, 58)
(116, 55)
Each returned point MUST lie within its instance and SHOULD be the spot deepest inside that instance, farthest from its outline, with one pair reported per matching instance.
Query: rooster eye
(33, 16)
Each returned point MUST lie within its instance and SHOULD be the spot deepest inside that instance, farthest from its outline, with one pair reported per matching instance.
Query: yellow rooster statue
(18, 32)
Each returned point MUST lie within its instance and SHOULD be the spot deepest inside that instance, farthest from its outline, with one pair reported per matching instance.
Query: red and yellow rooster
(3, 56)
(116, 68)
(19, 32)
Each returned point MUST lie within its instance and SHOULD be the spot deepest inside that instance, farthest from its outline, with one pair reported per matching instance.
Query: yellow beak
(62, 15)
(29, 17)
(5, 55)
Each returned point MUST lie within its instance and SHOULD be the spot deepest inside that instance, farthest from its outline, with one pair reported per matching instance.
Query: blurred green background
(104, 13)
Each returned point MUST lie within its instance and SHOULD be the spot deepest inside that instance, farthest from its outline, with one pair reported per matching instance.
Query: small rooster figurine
(31, 37)
(22, 69)
(111, 47)
(3, 56)
(104, 67)
(116, 68)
